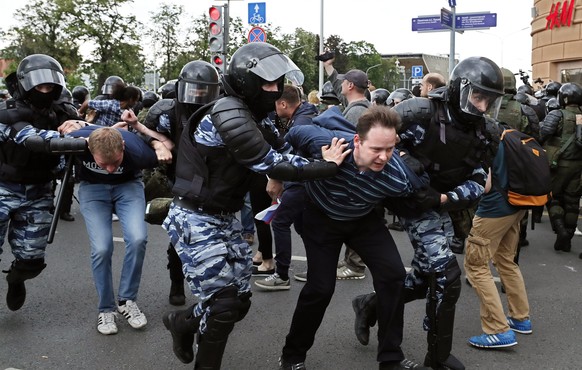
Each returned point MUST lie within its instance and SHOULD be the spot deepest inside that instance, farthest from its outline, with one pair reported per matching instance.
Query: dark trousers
(290, 212)
(260, 200)
(323, 239)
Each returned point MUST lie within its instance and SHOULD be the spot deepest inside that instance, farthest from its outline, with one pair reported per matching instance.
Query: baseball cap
(357, 77)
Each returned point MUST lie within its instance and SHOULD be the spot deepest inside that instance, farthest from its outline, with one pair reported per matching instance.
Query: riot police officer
(379, 96)
(452, 147)
(26, 177)
(561, 137)
(198, 84)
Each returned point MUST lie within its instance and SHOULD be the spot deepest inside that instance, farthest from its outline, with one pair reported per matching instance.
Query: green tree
(166, 38)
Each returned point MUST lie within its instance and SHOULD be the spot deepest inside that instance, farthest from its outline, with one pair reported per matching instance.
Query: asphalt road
(56, 328)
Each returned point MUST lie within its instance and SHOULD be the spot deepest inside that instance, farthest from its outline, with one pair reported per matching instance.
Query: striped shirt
(352, 194)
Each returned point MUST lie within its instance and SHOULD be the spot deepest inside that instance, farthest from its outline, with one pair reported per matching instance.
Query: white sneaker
(132, 313)
(106, 323)
(578, 232)
(114, 217)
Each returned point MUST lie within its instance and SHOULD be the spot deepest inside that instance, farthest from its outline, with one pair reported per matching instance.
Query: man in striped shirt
(340, 210)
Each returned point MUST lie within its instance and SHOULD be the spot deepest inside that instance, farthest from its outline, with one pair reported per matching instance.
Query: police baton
(59, 206)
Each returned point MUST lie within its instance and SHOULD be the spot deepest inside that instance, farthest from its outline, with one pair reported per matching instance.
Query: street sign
(476, 20)
(416, 71)
(446, 18)
(465, 21)
(257, 34)
(257, 13)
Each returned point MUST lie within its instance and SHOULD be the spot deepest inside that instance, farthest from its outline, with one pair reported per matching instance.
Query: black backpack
(528, 171)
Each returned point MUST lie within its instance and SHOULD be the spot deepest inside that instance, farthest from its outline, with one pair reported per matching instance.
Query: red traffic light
(215, 13)
(215, 28)
(217, 60)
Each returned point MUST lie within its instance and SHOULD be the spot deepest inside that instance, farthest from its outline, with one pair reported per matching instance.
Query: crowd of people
(215, 146)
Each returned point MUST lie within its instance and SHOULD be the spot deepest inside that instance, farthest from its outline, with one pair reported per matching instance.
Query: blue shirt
(109, 111)
(137, 155)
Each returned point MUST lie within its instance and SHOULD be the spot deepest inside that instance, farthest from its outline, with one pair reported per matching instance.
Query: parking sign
(416, 71)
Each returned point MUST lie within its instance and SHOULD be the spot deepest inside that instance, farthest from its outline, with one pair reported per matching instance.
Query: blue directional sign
(446, 18)
(416, 71)
(257, 13)
(476, 20)
(427, 23)
(465, 21)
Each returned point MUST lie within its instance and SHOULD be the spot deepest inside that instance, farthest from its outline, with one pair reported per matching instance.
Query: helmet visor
(197, 93)
(42, 76)
(275, 66)
(479, 102)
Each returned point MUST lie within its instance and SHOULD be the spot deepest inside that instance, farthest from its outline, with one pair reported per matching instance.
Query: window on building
(571, 75)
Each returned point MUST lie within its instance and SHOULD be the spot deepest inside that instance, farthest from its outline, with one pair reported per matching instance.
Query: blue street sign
(476, 20)
(430, 23)
(452, 3)
(465, 21)
(257, 13)
(416, 71)
(446, 18)
(257, 34)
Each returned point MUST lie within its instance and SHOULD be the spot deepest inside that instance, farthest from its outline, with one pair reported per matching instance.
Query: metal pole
(452, 50)
(226, 27)
(321, 44)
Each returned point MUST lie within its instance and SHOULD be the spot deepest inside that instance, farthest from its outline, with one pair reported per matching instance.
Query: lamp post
(374, 66)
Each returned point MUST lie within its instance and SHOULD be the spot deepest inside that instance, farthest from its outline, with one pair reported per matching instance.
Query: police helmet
(570, 94)
(254, 64)
(168, 90)
(328, 95)
(552, 104)
(39, 69)
(66, 96)
(197, 83)
(552, 88)
(80, 94)
(508, 81)
(149, 98)
(526, 89)
(110, 82)
(397, 96)
(476, 85)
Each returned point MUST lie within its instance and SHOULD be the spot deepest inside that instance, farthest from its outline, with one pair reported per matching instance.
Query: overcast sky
(385, 23)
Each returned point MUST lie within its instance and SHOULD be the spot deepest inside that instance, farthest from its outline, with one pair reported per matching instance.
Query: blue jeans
(98, 202)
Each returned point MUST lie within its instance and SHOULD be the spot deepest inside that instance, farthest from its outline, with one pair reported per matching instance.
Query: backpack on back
(528, 171)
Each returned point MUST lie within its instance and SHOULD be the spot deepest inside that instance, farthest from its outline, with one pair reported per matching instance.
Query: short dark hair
(377, 115)
(291, 95)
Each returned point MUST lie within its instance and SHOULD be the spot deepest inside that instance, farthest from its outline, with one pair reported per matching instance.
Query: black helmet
(477, 86)
(111, 81)
(66, 96)
(526, 89)
(508, 81)
(168, 90)
(38, 69)
(197, 83)
(80, 94)
(570, 94)
(149, 98)
(552, 88)
(398, 96)
(552, 104)
(328, 95)
(255, 63)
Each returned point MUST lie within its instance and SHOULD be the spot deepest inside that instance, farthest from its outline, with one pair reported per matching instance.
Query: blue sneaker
(506, 339)
(523, 326)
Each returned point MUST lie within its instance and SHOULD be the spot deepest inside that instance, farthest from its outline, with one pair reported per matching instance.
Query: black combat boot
(177, 297)
(183, 326)
(563, 236)
(20, 271)
(365, 308)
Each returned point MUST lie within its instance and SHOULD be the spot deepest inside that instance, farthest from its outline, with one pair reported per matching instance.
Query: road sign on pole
(257, 34)
(465, 21)
(446, 18)
(257, 13)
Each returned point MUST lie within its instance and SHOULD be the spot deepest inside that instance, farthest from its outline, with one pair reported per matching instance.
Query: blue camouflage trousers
(25, 217)
(430, 235)
(213, 254)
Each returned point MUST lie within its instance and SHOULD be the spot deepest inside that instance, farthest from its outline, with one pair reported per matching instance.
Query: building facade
(557, 40)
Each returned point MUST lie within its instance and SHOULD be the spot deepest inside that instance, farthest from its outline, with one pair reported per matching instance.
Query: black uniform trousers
(323, 238)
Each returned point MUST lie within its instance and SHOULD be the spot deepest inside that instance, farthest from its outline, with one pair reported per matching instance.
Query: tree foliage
(95, 39)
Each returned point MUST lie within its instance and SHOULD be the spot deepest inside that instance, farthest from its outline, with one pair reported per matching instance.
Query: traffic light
(219, 62)
(216, 29)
